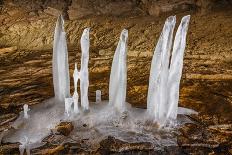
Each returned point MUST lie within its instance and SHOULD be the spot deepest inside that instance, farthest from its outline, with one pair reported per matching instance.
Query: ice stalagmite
(76, 76)
(98, 96)
(157, 91)
(60, 65)
(25, 111)
(118, 75)
(84, 77)
(176, 66)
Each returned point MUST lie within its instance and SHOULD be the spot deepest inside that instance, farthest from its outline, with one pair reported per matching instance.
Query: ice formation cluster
(114, 117)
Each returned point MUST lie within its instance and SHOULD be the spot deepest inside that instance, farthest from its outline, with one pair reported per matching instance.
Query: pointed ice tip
(124, 35)
(124, 31)
(86, 30)
(186, 18)
(85, 34)
(75, 65)
(60, 19)
(171, 19)
(60, 23)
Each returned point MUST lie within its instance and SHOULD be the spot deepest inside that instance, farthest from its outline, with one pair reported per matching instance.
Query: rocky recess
(75, 9)
(26, 34)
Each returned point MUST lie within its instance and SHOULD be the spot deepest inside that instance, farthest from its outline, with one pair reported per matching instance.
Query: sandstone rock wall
(75, 9)
(26, 36)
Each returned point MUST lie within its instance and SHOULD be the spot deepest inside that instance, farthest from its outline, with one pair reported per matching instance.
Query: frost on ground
(101, 121)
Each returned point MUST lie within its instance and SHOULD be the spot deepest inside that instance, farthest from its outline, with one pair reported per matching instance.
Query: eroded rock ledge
(75, 9)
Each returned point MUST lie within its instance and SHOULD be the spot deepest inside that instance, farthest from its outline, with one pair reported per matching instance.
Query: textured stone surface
(75, 9)
(64, 128)
(26, 37)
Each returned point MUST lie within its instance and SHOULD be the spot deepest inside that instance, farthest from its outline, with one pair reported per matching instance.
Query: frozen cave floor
(89, 131)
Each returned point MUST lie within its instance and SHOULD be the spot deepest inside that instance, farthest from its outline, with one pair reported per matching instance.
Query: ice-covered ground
(102, 120)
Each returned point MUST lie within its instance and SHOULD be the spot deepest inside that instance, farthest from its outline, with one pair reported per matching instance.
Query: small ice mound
(131, 126)
(27, 145)
(102, 120)
(25, 111)
(98, 96)
(31, 131)
(170, 123)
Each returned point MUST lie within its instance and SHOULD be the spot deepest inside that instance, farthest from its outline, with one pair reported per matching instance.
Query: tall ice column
(76, 76)
(157, 90)
(60, 64)
(84, 80)
(176, 67)
(118, 75)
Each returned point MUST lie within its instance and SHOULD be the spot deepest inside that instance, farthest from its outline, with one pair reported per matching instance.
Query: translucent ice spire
(157, 91)
(68, 106)
(118, 75)
(98, 96)
(60, 65)
(76, 76)
(84, 77)
(25, 111)
(24, 146)
(176, 66)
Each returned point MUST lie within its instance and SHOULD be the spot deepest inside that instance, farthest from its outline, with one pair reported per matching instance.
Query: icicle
(98, 96)
(25, 111)
(76, 76)
(68, 106)
(157, 91)
(60, 65)
(84, 73)
(118, 75)
(176, 67)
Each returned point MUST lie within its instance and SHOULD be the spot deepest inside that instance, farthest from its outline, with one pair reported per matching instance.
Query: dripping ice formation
(35, 124)
(164, 81)
(76, 76)
(176, 66)
(118, 74)
(84, 77)
(25, 111)
(61, 81)
(98, 96)
(157, 90)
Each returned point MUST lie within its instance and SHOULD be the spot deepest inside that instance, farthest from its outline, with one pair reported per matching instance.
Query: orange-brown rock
(64, 128)
(26, 71)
